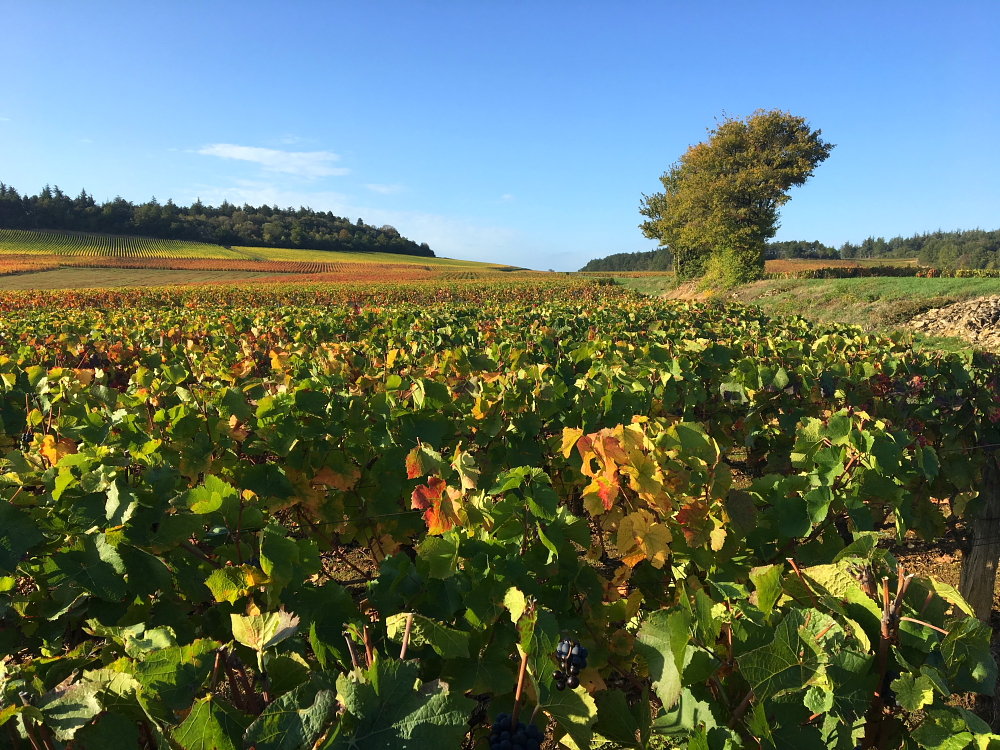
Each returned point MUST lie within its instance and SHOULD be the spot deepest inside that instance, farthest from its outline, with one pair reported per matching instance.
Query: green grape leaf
(767, 581)
(68, 707)
(18, 534)
(575, 712)
(110, 732)
(777, 667)
(278, 556)
(913, 693)
(267, 480)
(387, 709)
(658, 641)
(212, 724)
(261, 632)
(446, 642)
(211, 496)
(614, 719)
(173, 676)
(97, 568)
(295, 720)
(437, 557)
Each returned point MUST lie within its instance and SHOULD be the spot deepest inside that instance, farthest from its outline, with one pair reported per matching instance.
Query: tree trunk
(979, 562)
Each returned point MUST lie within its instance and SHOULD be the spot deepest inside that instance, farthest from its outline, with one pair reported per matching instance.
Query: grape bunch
(572, 657)
(505, 736)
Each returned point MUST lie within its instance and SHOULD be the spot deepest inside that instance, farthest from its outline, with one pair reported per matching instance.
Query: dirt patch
(691, 291)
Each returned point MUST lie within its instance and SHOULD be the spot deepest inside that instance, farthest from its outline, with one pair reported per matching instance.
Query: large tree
(720, 202)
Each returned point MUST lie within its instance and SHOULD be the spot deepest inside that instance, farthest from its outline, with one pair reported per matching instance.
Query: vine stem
(520, 687)
(406, 636)
(369, 650)
(199, 554)
(741, 709)
(350, 648)
(798, 572)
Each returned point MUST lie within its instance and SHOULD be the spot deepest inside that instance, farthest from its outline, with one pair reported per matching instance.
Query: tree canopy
(720, 202)
(227, 224)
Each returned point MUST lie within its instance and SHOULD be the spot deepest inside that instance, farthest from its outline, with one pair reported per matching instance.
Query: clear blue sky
(521, 132)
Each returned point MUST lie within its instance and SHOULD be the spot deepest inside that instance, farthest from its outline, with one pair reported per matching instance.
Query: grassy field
(90, 278)
(875, 303)
(330, 256)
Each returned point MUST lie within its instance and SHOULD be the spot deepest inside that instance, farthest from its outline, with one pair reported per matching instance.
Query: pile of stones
(976, 320)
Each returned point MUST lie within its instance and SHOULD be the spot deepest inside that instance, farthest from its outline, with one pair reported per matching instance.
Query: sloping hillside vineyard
(366, 517)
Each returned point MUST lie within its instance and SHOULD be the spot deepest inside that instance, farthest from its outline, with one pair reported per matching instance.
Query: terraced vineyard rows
(317, 516)
(21, 242)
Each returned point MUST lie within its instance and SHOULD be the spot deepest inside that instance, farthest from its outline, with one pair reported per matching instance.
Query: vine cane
(520, 687)
(406, 636)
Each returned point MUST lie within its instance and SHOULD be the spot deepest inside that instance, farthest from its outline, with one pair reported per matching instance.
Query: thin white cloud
(302, 163)
(385, 189)
(4, 119)
(506, 198)
(448, 236)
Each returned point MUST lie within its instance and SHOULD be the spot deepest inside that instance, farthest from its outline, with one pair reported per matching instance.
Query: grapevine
(333, 516)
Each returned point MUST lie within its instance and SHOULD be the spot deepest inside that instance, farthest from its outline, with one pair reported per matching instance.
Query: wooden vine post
(982, 550)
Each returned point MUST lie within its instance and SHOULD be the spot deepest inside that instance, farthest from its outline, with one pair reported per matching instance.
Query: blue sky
(518, 132)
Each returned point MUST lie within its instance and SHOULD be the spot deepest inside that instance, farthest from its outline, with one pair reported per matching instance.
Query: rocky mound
(976, 320)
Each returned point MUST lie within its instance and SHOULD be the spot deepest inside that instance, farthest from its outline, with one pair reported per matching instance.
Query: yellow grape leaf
(229, 583)
(569, 437)
(390, 358)
(641, 529)
(465, 466)
(54, 450)
(717, 538)
(85, 377)
(341, 481)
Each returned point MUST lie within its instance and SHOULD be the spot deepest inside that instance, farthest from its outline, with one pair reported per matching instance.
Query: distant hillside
(228, 224)
(974, 248)
(661, 259)
(654, 260)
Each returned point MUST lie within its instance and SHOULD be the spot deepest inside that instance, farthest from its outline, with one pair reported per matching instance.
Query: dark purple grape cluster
(505, 736)
(572, 658)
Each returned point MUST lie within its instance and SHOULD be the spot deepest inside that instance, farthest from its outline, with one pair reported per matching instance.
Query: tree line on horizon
(227, 224)
(973, 248)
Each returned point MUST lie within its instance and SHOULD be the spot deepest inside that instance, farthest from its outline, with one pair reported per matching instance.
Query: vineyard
(21, 242)
(31, 252)
(479, 514)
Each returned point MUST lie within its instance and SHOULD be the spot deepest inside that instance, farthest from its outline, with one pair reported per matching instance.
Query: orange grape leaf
(695, 523)
(600, 495)
(438, 501)
(421, 461)
(54, 450)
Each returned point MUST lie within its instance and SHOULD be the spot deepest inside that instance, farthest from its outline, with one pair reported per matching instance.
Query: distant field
(24, 249)
(330, 256)
(89, 278)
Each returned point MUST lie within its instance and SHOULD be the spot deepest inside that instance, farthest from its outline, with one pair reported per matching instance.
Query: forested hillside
(662, 259)
(654, 260)
(227, 224)
(974, 248)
